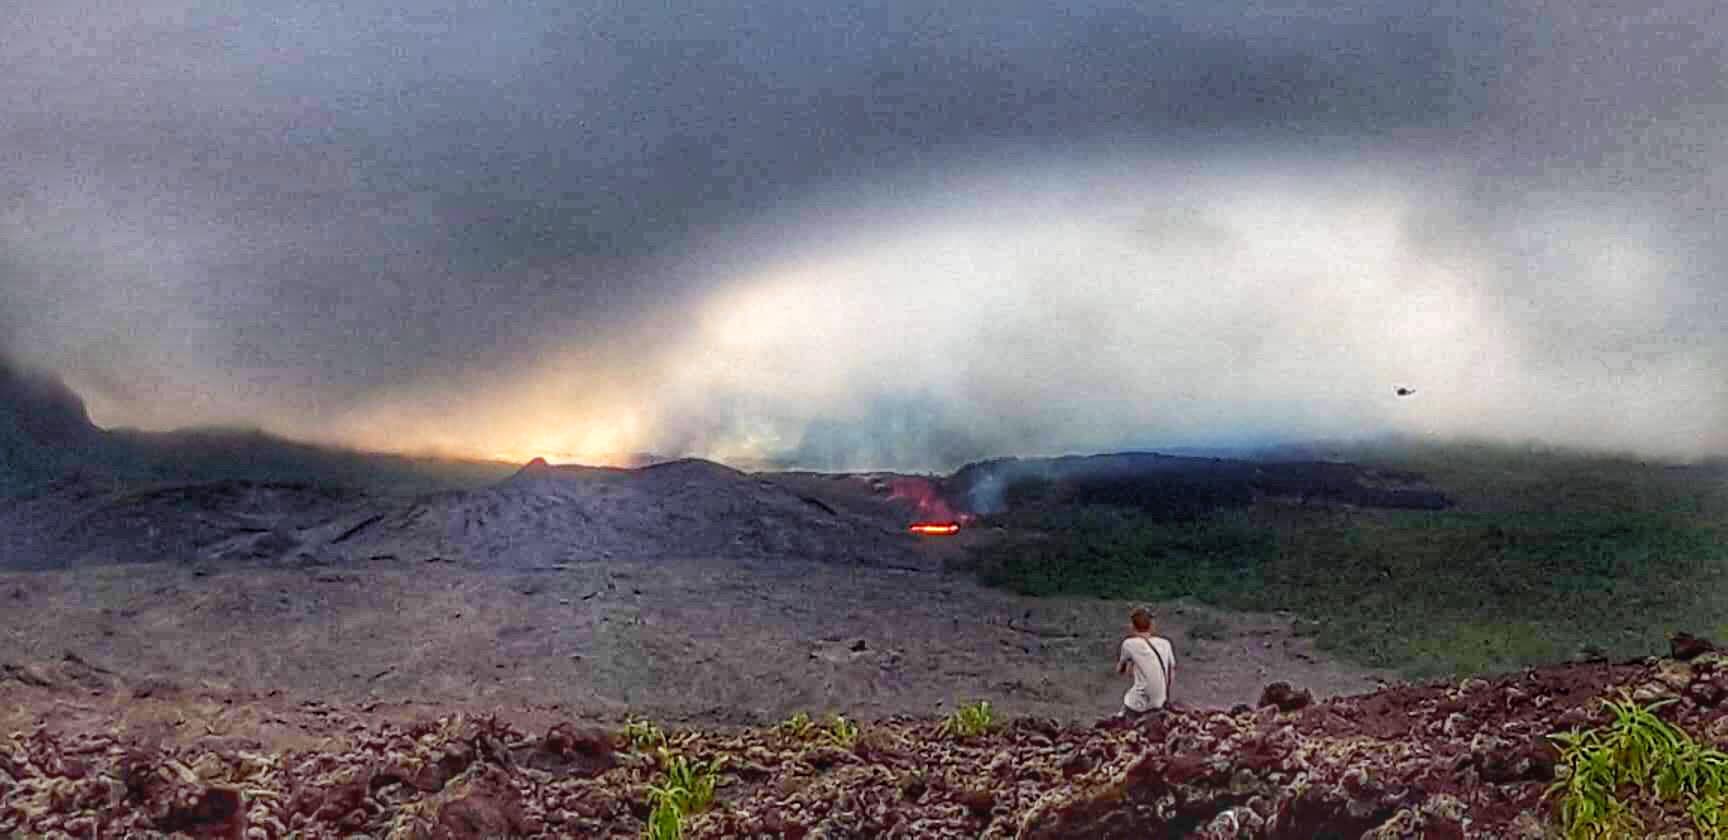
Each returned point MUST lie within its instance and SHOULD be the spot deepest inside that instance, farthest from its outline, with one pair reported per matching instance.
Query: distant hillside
(248, 455)
(1171, 486)
(46, 434)
(45, 430)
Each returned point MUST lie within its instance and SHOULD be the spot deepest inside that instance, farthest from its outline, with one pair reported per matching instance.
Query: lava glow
(938, 529)
(934, 516)
(930, 507)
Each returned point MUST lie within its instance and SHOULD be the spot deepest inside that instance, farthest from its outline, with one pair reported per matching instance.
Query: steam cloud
(852, 239)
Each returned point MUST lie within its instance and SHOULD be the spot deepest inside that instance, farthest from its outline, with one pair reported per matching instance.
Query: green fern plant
(1641, 752)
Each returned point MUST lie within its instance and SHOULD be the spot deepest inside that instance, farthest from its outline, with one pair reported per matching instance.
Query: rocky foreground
(1435, 760)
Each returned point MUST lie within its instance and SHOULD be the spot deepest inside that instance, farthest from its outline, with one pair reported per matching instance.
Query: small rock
(1240, 821)
(27, 674)
(1456, 724)
(977, 800)
(484, 806)
(1685, 646)
(1286, 698)
(1674, 675)
(1705, 693)
(1715, 660)
(1529, 826)
(569, 750)
(1406, 824)
(1718, 730)
(1483, 745)
(1358, 782)
(1444, 815)
(215, 810)
(912, 785)
(1651, 692)
(824, 757)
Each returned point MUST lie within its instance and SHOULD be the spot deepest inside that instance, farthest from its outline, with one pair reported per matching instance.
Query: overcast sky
(897, 234)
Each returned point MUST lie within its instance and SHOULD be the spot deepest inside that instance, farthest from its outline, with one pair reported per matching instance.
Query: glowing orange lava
(941, 529)
(930, 507)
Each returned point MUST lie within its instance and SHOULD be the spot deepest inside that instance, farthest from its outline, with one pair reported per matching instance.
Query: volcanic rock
(1200, 773)
(1285, 697)
(482, 806)
(1676, 676)
(572, 751)
(977, 800)
(1705, 692)
(1685, 646)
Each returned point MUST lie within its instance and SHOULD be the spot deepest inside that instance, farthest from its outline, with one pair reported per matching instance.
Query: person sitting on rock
(1153, 661)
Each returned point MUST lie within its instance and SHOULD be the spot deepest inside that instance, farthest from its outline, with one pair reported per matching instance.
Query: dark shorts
(1130, 714)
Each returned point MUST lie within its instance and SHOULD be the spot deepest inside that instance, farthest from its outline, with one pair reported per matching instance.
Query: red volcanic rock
(1379, 766)
(1503, 762)
(1705, 692)
(212, 812)
(977, 800)
(1685, 646)
(574, 751)
(1318, 812)
(484, 805)
(1286, 698)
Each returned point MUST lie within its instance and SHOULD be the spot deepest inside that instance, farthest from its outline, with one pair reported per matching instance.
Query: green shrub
(1454, 649)
(798, 726)
(643, 734)
(665, 822)
(685, 788)
(1642, 753)
(969, 720)
(842, 732)
(1429, 593)
(690, 783)
(1124, 554)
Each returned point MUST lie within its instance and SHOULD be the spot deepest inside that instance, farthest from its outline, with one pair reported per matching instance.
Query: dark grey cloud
(331, 218)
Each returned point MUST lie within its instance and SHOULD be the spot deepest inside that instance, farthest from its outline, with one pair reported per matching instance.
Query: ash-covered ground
(685, 591)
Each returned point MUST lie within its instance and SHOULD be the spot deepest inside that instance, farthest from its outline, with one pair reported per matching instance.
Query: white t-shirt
(1151, 679)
